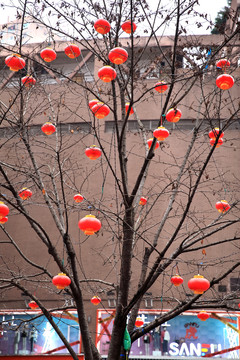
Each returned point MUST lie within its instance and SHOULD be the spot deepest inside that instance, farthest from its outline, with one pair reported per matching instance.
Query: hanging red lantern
(150, 143)
(214, 133)
(176, 280)
(222, 206)
(93, 152)
(223, 64)
(4, 210)
(78, 198)
(48, 54)
(107, 73)
(224, 81)
(139, 322)
(118, 55)
(198, 284)
(100, 110)
(219, 142)
(89, 224)
(61, 281)
(92, 103)
(127, 107)
(95, 300)
(239, 305)
(161, 133)
(33, 305)
(161, 87)
(203, 315)
(28, 81)
(142, 201)
(129, 27)
(102, 26)
(48, 128)
(15, 62)
(3, 220)
(173, 115)
(72, 51)
(25, 193)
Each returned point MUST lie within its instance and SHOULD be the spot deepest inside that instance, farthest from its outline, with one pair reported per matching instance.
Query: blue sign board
(184, 335)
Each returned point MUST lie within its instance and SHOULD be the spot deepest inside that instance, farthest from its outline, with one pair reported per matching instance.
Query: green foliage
(221, 19)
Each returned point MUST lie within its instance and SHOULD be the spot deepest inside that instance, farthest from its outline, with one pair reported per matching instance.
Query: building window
(111, 299)
(35, 130)
(235, 284)
(148, 303)
(222, 288)
(111, 303)
(132, 125)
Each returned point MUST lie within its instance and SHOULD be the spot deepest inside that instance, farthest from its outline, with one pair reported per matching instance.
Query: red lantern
(48, 128)
(161, 133)
(100, 110)
(33, 305)
(3, 220)
(222, 206)
(118, 55)
(25, 193)
(95, 300)
(102, 26)
(173, 115)
(48, 54)
(219, 143)
(15, 62)
(4, 210)
(150, 143)
(139, 322)
(203, 315)
(223, 64)
(72, 51)
(28, 81)
(92, 103)
(107, 73)
(78, 198)
(93, 152)
(224, 81)
(214, 133)
(129, 27)
(176, 280)
(198, 284)
(61, 281)
(127, 107)
(161, 87)
(142, 201)
(89, 224)
(239, 305)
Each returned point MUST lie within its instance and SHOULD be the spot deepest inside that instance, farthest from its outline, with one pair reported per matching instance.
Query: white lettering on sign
(192, 349)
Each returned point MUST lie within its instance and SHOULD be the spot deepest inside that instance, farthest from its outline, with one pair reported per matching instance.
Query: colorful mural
(184, 335)
(25, 333)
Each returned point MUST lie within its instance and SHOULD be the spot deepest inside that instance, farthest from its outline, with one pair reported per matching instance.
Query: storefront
(185, 335)
(29, 333)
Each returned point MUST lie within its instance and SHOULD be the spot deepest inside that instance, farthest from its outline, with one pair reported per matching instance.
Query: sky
(210, 7)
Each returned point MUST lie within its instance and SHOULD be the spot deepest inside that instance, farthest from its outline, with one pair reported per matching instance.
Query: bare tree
(140, 247)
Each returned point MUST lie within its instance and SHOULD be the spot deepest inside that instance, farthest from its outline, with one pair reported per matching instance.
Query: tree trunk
(122, 300)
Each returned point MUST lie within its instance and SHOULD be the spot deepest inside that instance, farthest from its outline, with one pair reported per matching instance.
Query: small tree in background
(221, 19)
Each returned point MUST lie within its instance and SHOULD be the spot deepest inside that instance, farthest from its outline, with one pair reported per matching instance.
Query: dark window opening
(222, 288)
(235, 284)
